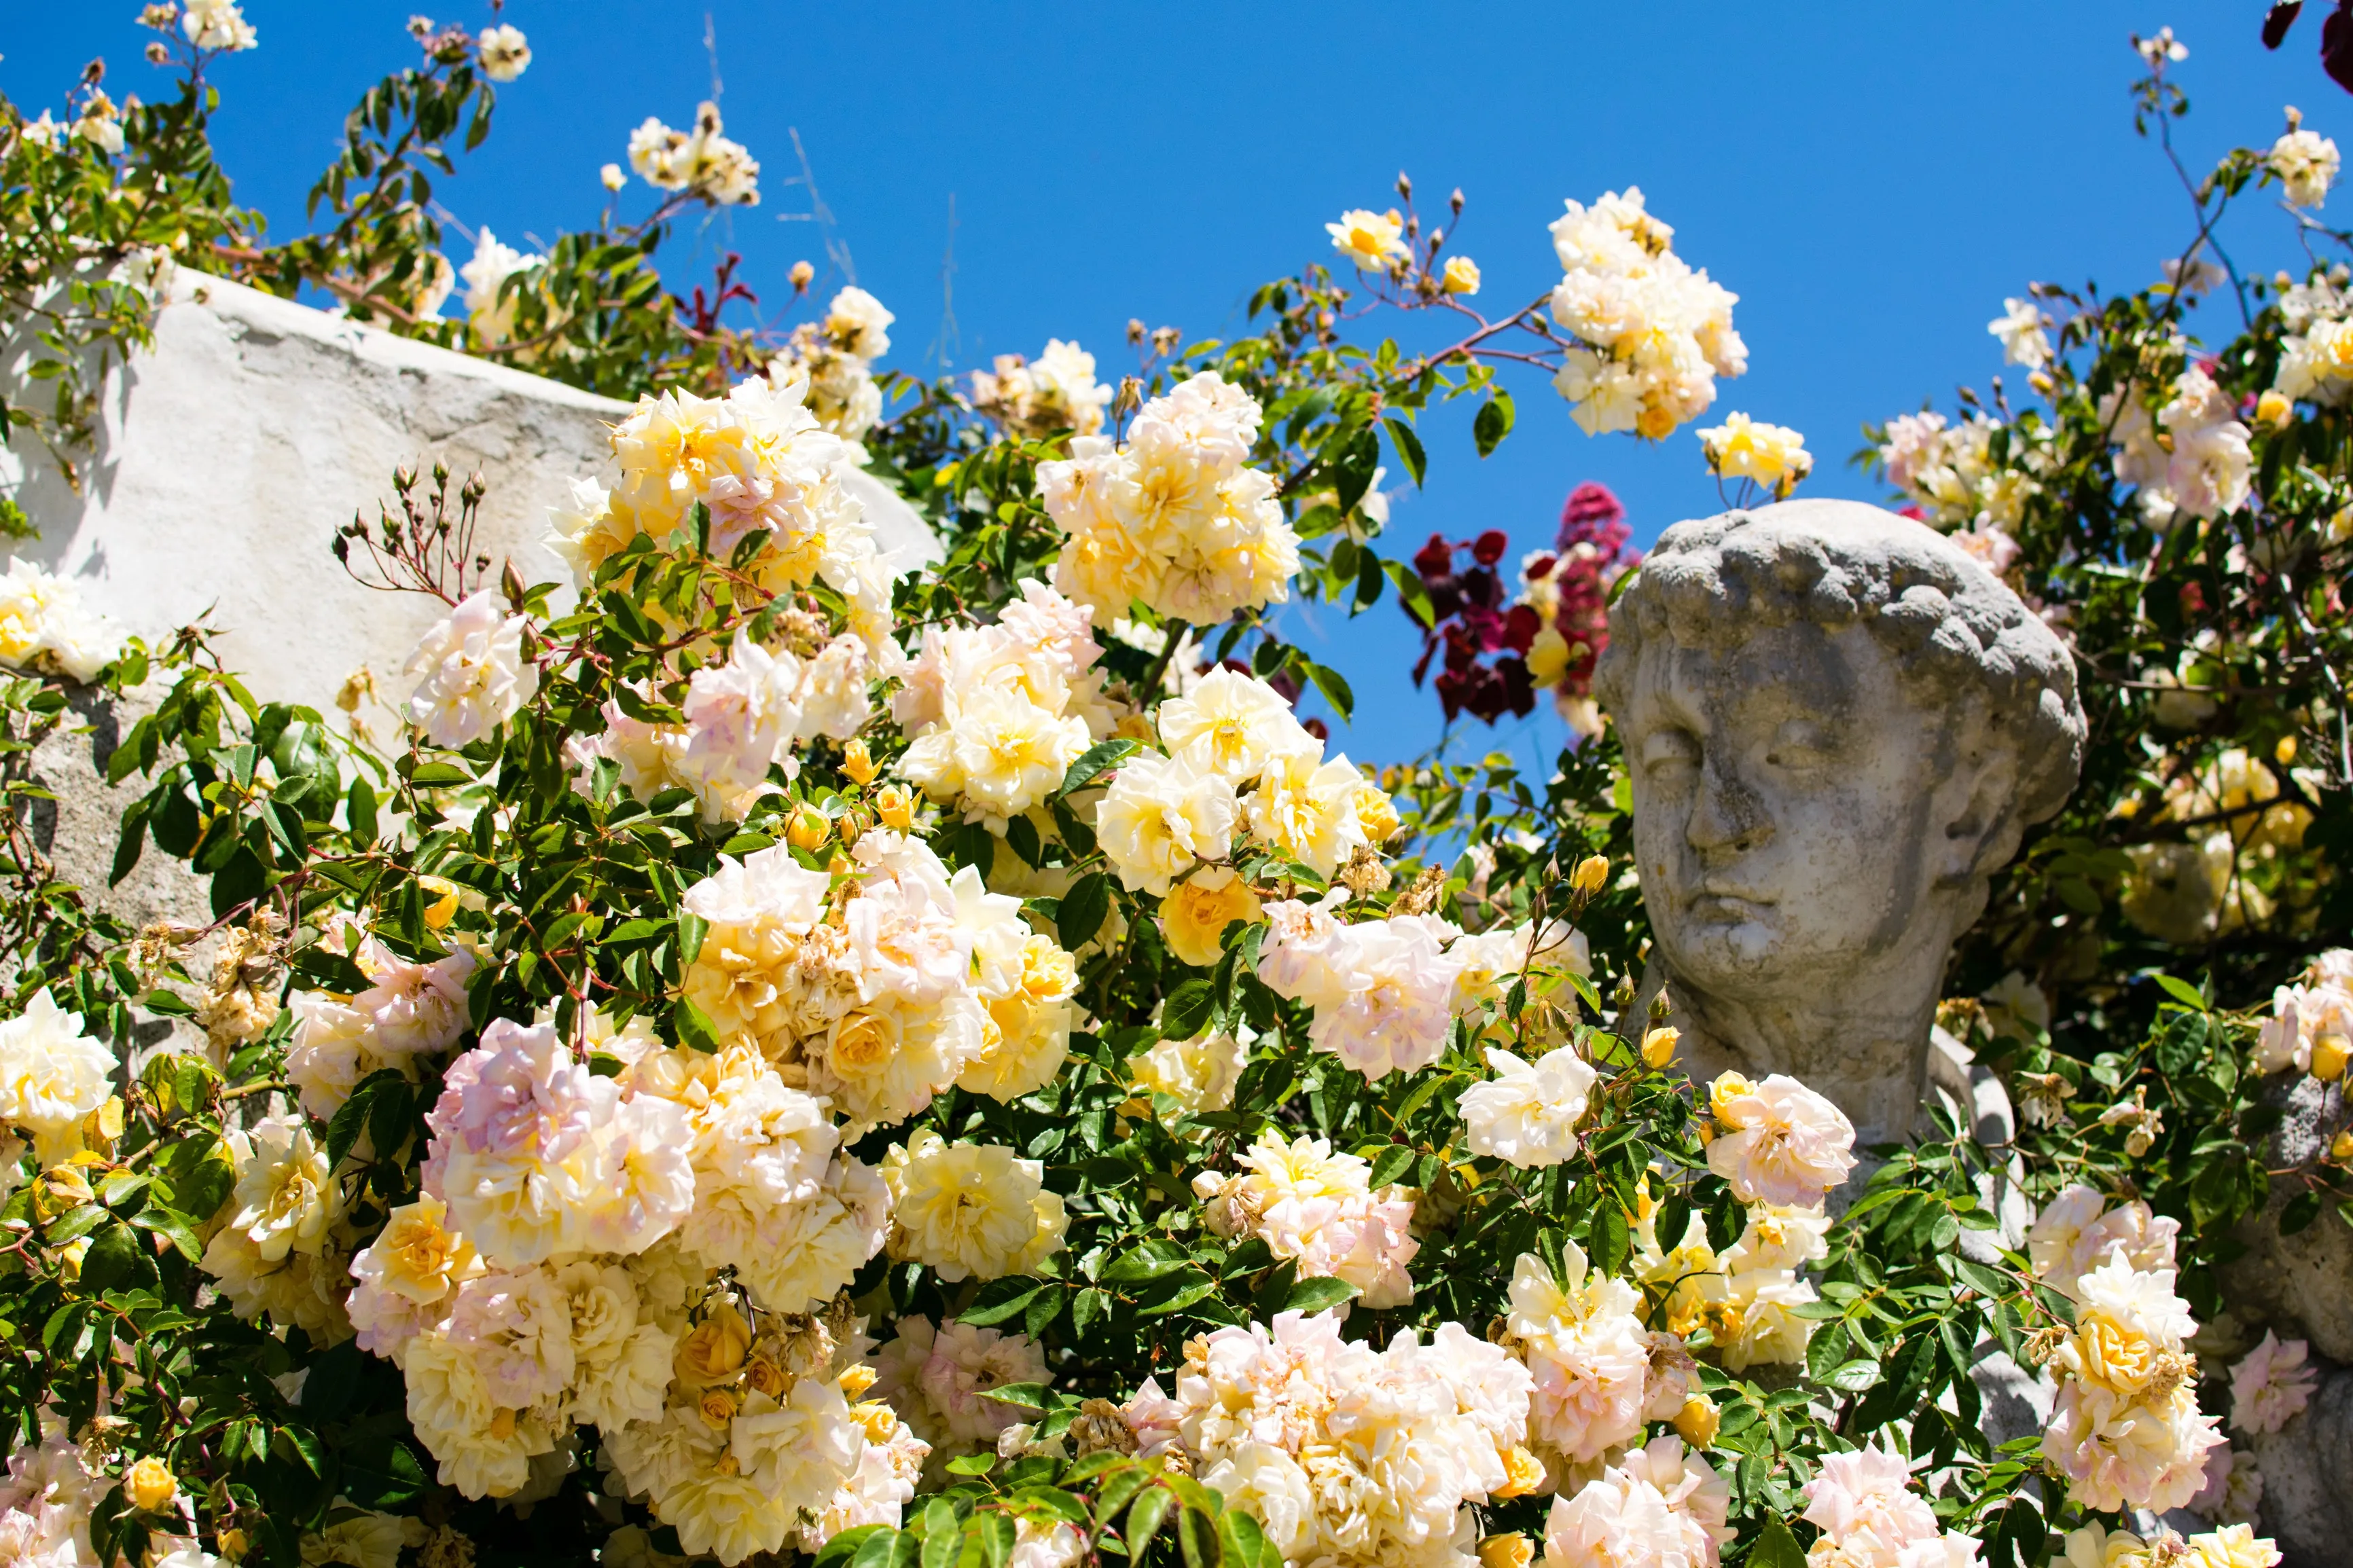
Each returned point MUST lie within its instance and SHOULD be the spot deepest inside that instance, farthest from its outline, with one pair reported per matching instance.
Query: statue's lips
(1729, 906)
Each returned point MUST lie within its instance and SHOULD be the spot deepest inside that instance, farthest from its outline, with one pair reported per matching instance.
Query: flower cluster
(882, 990)
(1345, 1455)
(1469, 620)
(1168, 812)
(1385, 993)
(472, 674)
(939, 1379)
(2192, 458)
(1569, 587)
(45, 1502)
(2272, 1385)
(1869, 1516)
(489, 309)
(836, 356)
(1656, 332)
(701, 163)
(1947, 473)
(1750, 1297)
(1773, 457)
(44, 628)
(2076, 1232)
(1657, 1505)
(1056, 391)
(220, 25)
(1173, 519)
(53, 1079)
(2311, 1026)
(1594, 1378)
(2126, 1431)
(2304, 161)
(1317, 1209)
(996, 714)
(2094, 1545)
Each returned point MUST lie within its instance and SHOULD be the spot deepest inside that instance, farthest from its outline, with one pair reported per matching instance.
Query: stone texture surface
(257, 427)
(2300, 1285)
(1837, 726)
(2307, 1469)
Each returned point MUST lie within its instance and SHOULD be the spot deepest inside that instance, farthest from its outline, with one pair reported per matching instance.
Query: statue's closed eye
(1801, 743)
(1671, 754)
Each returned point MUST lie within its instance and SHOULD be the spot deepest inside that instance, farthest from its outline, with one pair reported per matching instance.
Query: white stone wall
(256, 427)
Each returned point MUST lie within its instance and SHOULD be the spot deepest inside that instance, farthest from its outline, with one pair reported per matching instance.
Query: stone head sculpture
(1837, 726)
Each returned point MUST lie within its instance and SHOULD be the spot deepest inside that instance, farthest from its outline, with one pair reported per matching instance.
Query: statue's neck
(1862, 1039)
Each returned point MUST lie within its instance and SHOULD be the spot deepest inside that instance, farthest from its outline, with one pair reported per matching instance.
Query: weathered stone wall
(255, 427)
(229, 454)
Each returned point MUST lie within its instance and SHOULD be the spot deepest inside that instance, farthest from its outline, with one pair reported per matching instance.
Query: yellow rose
(1195, 913)
(863, 1042)
(1513, 1551)
(858, 763)
(1547, 656)
(718, 1408)
(714, 1352)
(150, 1485)
(1658, 1046)
(1592, 874)
(896, 807)
(1523, 1473)
(2113, 1355)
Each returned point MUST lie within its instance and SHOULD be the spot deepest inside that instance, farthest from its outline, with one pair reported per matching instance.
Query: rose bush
(758, 1050)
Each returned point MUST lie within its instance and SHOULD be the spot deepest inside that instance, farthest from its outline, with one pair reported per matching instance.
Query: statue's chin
(1739, 955)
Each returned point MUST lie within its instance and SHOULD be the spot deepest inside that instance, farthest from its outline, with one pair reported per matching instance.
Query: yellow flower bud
(2329, 1053)
(150, 1485)
(1461, 276)
(801, 276)
(808, 828)
(767, 1377)
(1658, 1046)
(896, 807)
(2284, 752)
(1591, 874)
(444, 894)
(2274, 411)
(1696, 1422)
(2340, 1148)
(1513, 1551)
(858, 763)
(718, 1408)
(855, 1380)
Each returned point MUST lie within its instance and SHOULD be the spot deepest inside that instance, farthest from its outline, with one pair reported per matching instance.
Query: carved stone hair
(1954, 631)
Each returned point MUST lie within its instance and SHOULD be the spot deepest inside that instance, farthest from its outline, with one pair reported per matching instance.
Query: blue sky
(1870, 178)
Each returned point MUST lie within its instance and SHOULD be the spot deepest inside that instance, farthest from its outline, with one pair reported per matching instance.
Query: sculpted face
(1786, 793)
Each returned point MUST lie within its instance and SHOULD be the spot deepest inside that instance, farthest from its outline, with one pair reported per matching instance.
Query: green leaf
(2178, 1046)
(1408, 447)
(1099, 758)
(694, 1026)
(1020, 1395)
(2181, 991)
(1607, 1241)
(1854, 1376)
(973, 1465)
(1334, 687)
(1084, 908)
(1187, 1011)
(1393, 1162)
(1494, 423)
(1197, 1536)
(116, 1261)
(1776, 1548)
(1411, 594)
(1144, 1518)
(840, 1550)
(1000, 1300)
(1315, 1295)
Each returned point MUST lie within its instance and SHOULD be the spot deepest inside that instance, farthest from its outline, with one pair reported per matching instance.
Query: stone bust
(1837, 726)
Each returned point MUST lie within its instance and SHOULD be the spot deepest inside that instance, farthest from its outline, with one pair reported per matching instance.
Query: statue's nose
(1726, 818)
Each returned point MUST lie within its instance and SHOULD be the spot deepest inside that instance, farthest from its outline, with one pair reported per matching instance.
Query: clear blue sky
(1870, 178)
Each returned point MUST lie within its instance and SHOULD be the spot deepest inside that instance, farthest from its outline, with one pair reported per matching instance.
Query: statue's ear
(1980, 806)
